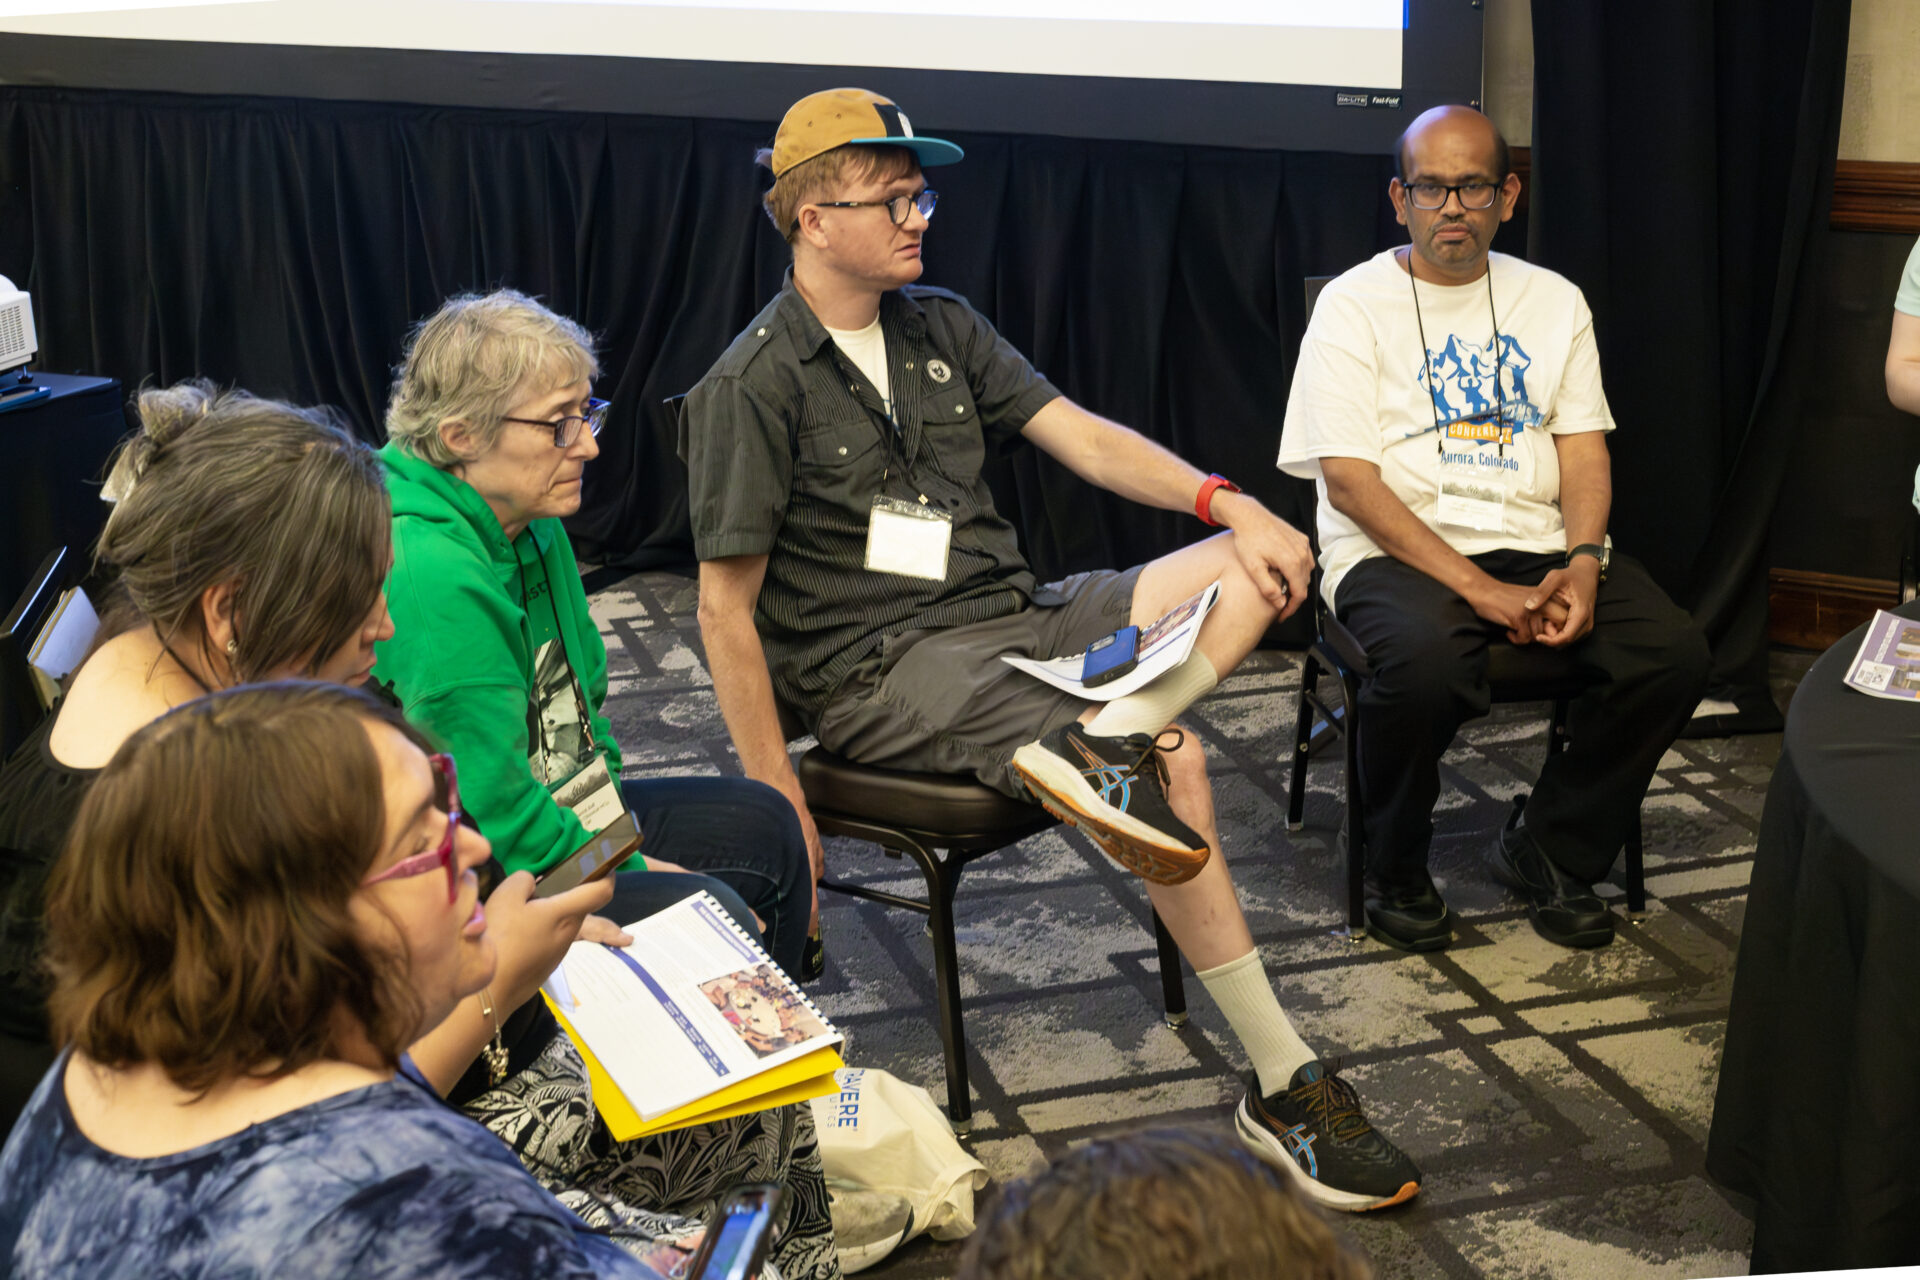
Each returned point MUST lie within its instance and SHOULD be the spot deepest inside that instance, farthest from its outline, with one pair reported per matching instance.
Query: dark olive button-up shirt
(787, 444)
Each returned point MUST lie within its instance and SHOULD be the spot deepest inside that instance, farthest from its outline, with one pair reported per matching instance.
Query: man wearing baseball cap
(855, 572)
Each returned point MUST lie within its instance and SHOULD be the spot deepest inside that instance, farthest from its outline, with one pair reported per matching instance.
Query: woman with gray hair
(490, 427)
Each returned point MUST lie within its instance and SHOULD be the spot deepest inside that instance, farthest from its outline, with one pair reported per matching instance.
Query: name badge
(593, 794)
(908, 538)
(1472, 487)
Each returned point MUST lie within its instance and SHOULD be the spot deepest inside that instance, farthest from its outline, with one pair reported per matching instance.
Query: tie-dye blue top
(384, 1181)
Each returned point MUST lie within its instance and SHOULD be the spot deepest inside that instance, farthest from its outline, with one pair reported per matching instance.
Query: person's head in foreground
(1163, 1205)
(230, 910)
(847, 190)
(249, 539)
(1454, 187)
(497, 389)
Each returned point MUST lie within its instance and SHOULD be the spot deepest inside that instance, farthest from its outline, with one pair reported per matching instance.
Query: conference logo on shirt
(1476, 395)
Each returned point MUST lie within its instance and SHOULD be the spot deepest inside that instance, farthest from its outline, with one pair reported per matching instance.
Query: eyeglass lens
(1433, 195)
(898, 207)
(446, 796)
(567, 430)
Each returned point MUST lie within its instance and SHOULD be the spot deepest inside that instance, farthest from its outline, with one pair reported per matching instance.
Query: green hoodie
(464, 652)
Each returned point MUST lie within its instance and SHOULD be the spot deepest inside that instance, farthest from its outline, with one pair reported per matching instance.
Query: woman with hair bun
(248, 541)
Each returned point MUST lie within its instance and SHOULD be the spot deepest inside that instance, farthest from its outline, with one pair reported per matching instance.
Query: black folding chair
(20, 705)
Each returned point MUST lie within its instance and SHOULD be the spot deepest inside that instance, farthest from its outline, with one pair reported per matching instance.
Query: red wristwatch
(1203, 505)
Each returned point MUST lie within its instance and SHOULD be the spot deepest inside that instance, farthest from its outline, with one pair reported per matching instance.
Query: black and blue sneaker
(1115, 790)
(1313, 1130)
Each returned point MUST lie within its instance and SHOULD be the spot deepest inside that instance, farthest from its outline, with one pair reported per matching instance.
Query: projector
(18, 343)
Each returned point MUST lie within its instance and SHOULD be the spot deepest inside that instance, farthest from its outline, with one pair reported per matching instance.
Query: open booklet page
(690, 1008)
(1888, 663)
(1163, 645)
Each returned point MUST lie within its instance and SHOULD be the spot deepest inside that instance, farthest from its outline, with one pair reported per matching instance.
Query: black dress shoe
(1563, 910)
(1410, 917)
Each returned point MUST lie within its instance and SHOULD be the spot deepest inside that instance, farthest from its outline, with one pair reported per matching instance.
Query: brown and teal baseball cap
(833, 118)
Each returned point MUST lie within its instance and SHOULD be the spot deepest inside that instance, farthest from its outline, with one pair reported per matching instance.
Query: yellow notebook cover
(803, 1078)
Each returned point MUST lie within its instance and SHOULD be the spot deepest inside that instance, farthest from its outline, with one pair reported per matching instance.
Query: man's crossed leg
(935, 699)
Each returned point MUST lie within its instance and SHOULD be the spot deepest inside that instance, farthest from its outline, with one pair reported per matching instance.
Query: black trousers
(742, 839)
(1428, 650)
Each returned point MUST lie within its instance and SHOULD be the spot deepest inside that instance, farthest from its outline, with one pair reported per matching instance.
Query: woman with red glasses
(242, 949)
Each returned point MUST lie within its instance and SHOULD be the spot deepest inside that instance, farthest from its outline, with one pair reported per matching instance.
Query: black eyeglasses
(1433, 195)
(567, 429)
(896, 208)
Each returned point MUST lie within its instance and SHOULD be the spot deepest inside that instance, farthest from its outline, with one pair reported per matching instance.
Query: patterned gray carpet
(1557, 1102)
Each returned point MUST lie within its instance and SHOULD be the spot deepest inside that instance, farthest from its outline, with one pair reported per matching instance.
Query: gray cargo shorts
(941, 701)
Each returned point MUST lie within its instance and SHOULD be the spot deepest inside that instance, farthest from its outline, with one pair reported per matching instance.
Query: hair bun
(166, 413)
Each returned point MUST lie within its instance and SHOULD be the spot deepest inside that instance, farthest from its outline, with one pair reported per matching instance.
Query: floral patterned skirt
(663, 1187)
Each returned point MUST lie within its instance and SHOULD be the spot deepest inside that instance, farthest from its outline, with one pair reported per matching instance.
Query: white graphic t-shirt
(1362, 389)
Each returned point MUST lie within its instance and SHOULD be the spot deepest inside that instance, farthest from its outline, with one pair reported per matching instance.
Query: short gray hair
(470, 360)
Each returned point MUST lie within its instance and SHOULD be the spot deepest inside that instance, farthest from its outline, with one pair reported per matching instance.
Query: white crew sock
(1241, 989)
(1153, 708)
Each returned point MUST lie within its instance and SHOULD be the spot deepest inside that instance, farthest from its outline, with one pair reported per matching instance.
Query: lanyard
(1426, 361)
(559, 638)
(892, 437)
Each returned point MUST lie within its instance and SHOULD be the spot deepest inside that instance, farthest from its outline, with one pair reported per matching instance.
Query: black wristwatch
(1601, 551)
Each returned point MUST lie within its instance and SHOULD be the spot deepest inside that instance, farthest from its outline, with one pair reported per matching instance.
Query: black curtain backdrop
(1683, 168)
(286, 246)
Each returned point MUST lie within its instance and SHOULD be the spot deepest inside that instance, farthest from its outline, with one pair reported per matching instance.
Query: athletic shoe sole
(1063, 792)
(1265, 1144)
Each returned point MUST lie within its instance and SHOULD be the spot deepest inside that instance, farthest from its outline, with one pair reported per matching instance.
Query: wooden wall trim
(1868, 195)
(1876, 195)
(1813, 610)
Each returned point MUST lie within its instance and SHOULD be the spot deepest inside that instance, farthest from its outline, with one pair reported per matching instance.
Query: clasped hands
(1555, 612)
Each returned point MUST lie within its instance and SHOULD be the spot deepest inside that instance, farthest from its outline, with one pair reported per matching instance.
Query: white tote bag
(892, 1165)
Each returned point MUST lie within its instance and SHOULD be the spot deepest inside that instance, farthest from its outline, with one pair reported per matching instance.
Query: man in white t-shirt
(1448, 403)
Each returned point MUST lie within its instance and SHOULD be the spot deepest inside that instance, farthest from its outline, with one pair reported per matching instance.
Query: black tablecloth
(1818, 1111)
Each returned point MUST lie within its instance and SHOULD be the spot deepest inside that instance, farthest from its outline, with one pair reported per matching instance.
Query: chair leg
(1636, 875)
(1172, 984)
(946, 981)
(1302, 743)
(1356, 824)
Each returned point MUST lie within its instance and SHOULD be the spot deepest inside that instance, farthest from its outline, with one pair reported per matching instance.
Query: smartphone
(735, 1247)
(591, 860)
(1110, 657)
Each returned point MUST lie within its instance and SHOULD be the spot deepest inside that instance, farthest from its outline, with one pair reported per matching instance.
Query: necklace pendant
(496, 1056)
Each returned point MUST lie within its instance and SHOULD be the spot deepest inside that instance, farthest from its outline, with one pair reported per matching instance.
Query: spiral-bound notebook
(690, 1022)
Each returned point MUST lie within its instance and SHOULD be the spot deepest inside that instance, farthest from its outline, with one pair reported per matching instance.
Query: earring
(233, 647)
